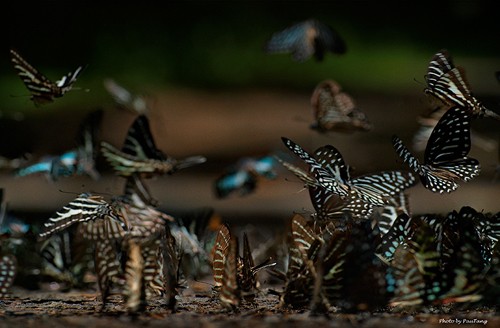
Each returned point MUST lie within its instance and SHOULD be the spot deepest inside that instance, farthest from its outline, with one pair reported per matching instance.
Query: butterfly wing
(219, 253)
(84, 208)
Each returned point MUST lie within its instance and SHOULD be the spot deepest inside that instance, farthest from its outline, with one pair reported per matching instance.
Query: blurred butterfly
(445, 158)
(242, 177)
(306, 39)
(449, 84)
(78, 161)
(133, 103)
(139, 154)
(335, 110)
(41, 88)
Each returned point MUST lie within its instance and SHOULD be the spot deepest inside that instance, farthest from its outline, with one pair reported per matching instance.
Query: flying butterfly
(335, 110)
(42, 90)
(306, 39)
(449, 84)
(445, 158)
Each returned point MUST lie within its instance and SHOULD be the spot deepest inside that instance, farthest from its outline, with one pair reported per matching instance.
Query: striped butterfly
(445, 158)
(108, 268)
(323, 178)
(377, 189)
(449, 84)
(326, 204)
(7, 273)
(384, 217)
(230, 292)
(99, 220)
(41, 88)
(219, 253)
(335, 110)
(300, 276)
(306, 39)
(139, 154)
(429, 120)
(398, 232)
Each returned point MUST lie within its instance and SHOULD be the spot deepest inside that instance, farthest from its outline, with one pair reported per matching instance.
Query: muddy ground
(224, 127)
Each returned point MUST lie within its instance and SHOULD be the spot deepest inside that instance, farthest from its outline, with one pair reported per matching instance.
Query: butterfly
(449, 84)
(243, 176)
(139, 154)
(241, 279)
(78, 161)
(67, 257)
(429, 120)
(441, 264)
(335, 110)
(303, 251)
(41, 88)
(445, 158)
(7, 273)
(230, 292)
(99, 220)
(133, 103)
(306, 39)
(329, 166)
(397, 234)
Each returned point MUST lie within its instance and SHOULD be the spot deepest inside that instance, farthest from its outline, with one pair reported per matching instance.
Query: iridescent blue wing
(241, 181)
(305, 39)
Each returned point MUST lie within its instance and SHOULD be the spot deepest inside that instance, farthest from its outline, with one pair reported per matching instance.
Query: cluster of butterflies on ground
(361, 249)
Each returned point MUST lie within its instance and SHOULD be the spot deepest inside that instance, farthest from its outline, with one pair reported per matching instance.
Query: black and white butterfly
(335, 110)
(332, 175)
(139, 154)
(306, 39)
(429, 120)
(445, 158)
(449, 84)
(41, 88)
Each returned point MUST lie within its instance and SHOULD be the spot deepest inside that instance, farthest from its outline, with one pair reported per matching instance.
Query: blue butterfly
(306, 39)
